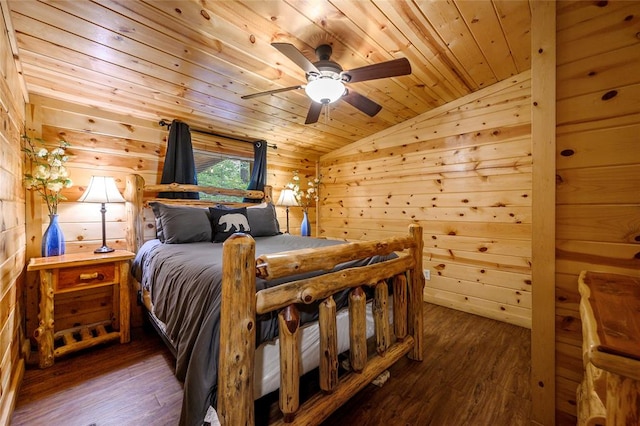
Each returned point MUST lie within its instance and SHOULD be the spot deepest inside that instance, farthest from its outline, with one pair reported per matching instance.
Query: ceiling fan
(326, 79)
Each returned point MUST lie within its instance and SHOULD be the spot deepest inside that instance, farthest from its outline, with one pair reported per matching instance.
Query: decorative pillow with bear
(226, 221)
(262, 220)
(181, 224)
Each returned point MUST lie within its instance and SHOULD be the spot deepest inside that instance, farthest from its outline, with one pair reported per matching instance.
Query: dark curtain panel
(179, 165)
(259, 173)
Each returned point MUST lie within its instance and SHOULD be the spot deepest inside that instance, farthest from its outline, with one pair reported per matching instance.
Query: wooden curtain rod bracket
(167, 124)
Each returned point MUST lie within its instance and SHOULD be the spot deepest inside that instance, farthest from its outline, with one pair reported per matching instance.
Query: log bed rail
(241, 304)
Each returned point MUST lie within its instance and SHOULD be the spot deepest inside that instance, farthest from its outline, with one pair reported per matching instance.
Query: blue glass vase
(305, 226)
(52, 239)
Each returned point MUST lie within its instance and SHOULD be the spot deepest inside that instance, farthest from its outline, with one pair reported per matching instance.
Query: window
(223, 171)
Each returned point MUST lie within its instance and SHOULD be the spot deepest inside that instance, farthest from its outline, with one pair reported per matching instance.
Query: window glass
(223, 171)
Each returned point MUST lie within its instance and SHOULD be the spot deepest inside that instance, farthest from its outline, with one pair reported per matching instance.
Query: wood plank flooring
(475, 372)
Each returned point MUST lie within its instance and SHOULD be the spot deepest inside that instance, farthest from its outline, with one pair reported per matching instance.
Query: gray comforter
(185, 285)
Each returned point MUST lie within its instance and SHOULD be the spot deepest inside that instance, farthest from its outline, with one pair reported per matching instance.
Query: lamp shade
(102, 189)
(324, 90)
(287, 198)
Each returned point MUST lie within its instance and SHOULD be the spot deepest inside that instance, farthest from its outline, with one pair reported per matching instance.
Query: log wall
(463, 172)
(598, 163)
(12, 222)
(110, 144)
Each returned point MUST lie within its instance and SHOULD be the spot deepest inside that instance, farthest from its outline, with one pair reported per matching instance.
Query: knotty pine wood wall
(463, 171)
(109, 144)
(597, 196)
(597, 163)
(12, 228)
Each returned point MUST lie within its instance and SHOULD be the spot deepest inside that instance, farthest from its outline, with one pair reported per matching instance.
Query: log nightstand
(76, 272)
(610, 391)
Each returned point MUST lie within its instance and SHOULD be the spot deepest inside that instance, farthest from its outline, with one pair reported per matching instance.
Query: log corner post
(134, 191)
(237, 331)
(416, 297)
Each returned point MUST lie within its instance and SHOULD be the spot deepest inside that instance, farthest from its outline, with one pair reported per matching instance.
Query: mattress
(266, 377)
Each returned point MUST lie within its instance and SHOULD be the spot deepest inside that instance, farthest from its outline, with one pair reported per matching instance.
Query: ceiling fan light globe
(325, 90)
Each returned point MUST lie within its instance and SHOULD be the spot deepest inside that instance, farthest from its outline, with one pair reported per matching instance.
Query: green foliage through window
(216, 170)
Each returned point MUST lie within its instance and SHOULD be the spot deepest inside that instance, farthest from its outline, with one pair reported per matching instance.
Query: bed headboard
(139, 215)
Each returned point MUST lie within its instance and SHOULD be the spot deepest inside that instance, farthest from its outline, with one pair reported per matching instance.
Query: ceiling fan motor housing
(325, 65)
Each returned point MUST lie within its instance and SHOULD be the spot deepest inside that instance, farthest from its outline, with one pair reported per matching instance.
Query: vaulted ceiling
(193, 60)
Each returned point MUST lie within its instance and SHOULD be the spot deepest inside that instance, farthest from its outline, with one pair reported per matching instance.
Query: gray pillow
(181, 224)
(262, 220)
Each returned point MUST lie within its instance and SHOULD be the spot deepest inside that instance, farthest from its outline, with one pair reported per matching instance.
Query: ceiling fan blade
(386, 69)
(314, 113)
(292, 52)
(270, 92)
(363, 103)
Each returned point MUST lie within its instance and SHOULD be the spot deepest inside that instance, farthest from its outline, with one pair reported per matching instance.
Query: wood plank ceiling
(193, 60)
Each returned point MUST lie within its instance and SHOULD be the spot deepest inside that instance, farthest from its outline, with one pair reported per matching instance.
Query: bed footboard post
(133, 195)
(416, 297)
(237, 331)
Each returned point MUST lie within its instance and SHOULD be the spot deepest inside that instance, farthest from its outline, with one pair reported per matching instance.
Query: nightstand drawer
(87, 275)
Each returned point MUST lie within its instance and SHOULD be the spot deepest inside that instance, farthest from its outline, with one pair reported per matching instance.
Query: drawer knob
(93, 276)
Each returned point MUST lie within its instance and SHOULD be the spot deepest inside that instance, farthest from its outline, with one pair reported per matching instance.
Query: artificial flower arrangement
(304, 197)
(49, 175)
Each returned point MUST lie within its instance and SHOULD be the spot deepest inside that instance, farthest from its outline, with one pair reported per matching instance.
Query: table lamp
(102, 189)
(287, 199)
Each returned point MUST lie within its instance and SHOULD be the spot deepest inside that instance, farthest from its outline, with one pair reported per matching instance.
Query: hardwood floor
(109, 385)
(475, 372)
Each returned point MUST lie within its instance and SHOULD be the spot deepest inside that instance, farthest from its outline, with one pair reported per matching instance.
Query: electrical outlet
(427, 274)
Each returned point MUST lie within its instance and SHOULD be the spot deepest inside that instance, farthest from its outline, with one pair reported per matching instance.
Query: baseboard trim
(10, 397)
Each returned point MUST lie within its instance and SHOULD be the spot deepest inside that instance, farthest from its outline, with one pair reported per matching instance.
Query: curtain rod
(166, 123)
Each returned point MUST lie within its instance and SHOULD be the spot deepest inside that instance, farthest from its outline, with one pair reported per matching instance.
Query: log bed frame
(241, 303)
